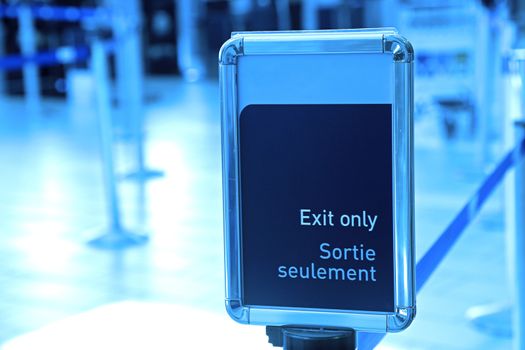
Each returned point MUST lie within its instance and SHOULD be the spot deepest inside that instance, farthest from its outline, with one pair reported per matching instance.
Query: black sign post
(318, 189)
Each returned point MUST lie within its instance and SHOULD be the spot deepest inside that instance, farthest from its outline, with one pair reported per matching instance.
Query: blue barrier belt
(63, 55)
(56, 13)
(437, 252)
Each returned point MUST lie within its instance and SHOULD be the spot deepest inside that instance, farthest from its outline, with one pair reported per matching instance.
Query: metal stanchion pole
(130, 81)
(2, 52)
(497, 318)
(28, 47)
(136, 104)
(519, 243)
(283, 14)
(190, 62)
(310, 15)
(115, 237)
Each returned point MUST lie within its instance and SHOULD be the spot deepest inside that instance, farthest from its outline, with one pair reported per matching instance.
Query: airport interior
(111, 184)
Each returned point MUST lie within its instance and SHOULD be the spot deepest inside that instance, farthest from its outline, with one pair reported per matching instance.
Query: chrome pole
(28, 45)
(115, 236)
(519, 240)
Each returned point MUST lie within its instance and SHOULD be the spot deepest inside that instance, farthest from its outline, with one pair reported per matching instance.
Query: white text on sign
(308, 217)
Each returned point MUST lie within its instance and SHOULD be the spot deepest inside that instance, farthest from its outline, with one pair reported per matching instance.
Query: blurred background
(110, 167)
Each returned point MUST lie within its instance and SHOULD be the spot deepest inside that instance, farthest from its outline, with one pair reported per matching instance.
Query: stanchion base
(492, 319)
(147, 174)
(118, 239)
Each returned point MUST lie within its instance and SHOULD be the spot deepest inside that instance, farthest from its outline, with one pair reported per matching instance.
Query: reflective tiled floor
(52, 203)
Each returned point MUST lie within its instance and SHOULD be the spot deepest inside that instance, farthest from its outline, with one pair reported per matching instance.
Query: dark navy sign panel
(316, 206)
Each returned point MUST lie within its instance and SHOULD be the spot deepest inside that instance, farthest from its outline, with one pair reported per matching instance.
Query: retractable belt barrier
(56, 13)
(438, 251)
(102, 40)
(60, 56)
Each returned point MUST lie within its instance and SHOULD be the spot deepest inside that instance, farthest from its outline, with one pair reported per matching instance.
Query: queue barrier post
(127, 50)
(28, 48)
(130, 76)
(94, 21)
(115, 237)
(519, 241)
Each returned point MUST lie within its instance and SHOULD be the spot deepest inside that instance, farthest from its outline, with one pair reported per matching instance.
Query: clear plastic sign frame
(317, 130)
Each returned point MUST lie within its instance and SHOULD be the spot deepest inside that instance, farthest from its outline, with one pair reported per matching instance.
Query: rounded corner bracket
(237, 311)
(400, 48)
(401, 319)
(230, 50)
